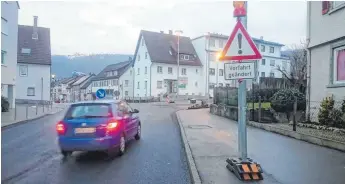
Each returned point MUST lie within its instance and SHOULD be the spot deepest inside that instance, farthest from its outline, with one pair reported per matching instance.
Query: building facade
(115, 79)
(156, 70)
(9, 41)
(326, 67)
(209, 46)
(34, 63)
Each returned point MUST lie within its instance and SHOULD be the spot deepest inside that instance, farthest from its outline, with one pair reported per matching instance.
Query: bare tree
(296, 70)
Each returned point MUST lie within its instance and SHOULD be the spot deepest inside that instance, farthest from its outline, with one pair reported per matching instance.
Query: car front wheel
(138, 135)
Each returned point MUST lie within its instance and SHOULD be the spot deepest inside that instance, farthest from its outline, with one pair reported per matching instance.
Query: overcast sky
(113, 27)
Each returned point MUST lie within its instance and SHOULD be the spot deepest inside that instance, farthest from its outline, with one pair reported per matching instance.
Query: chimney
(261, 37)
(162, 31)
(35, 33)
(170, 32)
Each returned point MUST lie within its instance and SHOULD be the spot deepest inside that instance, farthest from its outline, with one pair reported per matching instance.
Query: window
(272, 63)
(196, 71)
(262, 74)
(138, 86)
(138, 57)
(263, 62)
(184, 57)
(196, 84)
(31, 91)
(23, 70)
(159, 69)
(220, 84)
(114, 82)
(126, 93)
(336, 4)
(212, 42)
(170, 70)
(263, 48)
(4, 26)
(221, 44)
(145, 69)
(145, 87)
(325, 7)
(145, 55)
(212, 71)
(184, 71)
(3, 56)
(271, 74)
(221, 72)
(271, 49)
(114, 73)
(138, 71)
(284, 65)
(159, 84)
(96, 110)
(126, 83)
(227, 85)
(339, 65)
(26, 51)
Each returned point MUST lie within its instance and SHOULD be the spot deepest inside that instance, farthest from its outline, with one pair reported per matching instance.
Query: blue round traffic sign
(100, 93)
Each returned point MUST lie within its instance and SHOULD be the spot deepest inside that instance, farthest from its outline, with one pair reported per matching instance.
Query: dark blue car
(98, 126)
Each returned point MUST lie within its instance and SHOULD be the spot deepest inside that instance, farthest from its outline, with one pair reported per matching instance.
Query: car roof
(98, 102)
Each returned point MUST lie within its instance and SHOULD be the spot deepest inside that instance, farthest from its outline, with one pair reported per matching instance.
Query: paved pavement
(30, 154)
(284, 160)
(24, 112)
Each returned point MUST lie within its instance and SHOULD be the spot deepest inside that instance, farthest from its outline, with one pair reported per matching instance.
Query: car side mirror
(135, 111)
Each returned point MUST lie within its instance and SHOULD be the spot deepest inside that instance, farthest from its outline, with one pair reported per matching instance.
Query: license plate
(84, 130)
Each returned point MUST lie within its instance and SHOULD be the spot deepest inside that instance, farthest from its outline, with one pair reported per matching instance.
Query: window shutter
(325, 7)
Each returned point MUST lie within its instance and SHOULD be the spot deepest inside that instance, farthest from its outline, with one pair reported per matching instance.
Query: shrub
(265, 95)
(336, 119)
(343, 106)
(283, 100)
(324, 114)
(4, 104)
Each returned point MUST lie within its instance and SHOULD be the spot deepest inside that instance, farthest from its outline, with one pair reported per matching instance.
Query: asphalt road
(30, 154)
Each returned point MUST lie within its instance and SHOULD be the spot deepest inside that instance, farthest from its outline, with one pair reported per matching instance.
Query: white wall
(326, 27)
(34, 79)
(191, 74)
(199, 46)
(128, 75)
(141, 77)
(9, 11)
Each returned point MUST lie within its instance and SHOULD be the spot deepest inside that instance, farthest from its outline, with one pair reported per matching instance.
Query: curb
(195, 177)
(27, 120)
(340, 146)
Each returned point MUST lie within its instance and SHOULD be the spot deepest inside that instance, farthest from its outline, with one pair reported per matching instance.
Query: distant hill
(63, 66)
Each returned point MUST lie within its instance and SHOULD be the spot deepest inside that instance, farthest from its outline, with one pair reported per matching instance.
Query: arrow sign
(240, 46)
(100, 93)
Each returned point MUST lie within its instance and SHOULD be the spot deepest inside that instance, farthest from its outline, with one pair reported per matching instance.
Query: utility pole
(178, 32)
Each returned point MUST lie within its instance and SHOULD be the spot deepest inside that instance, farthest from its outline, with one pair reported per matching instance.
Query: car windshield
(89, 111)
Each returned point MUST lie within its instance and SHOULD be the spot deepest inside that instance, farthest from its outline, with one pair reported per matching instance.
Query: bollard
(27, 111)
(15, 112)
(36, 108)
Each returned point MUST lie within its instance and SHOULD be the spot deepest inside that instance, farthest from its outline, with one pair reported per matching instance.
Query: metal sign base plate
(245, 170)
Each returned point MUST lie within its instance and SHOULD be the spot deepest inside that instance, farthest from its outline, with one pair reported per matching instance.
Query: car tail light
(61, 128)
(112, 126)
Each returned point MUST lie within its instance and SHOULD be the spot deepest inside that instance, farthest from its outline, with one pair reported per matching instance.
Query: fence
(29, 110)
(141, 99)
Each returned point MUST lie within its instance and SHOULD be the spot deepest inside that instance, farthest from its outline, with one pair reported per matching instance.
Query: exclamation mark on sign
(239, 37)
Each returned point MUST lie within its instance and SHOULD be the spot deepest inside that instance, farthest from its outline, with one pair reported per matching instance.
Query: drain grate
(199, 126)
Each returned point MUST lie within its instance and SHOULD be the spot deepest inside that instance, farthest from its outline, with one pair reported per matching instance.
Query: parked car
(98, 126)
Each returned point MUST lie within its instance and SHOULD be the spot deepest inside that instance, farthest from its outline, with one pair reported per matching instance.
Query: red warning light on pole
(239, 9)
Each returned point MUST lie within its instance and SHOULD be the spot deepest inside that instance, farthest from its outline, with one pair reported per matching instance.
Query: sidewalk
(212, 139)
(26, 112)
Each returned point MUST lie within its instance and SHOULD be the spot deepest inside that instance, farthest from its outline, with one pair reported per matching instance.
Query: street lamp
(178, 33)
(217, 62)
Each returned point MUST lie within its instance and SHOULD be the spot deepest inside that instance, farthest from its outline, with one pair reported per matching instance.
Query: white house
(210, 45)
(76, 94)
(326, 34)
(115, 79)
(86, 90)
(34, 63)
(9, 41)
(155, 64)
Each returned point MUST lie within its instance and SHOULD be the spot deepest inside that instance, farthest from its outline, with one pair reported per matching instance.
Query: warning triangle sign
(240, 46)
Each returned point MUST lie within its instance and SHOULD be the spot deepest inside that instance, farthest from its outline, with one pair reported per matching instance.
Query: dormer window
(114, 73)
(184, 57)
(26, 51)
